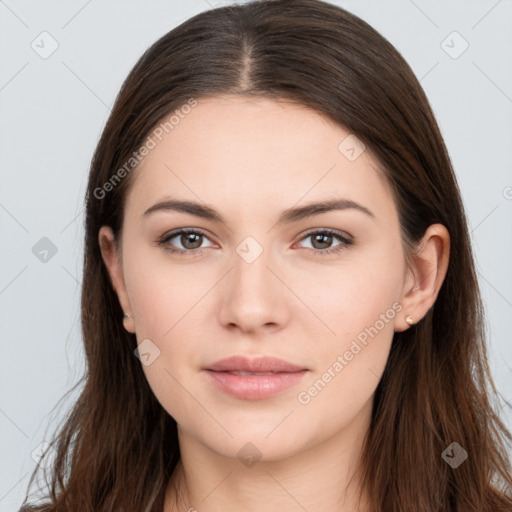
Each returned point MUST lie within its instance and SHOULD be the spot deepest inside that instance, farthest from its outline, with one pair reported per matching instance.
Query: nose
(253, 296)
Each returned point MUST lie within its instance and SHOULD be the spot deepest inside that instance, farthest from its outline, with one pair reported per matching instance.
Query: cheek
(358, 307)
(167, 299)
(356, 294)
(163, 292)
(348, 366)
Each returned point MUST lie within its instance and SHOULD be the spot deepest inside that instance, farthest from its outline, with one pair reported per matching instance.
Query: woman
(280, 307)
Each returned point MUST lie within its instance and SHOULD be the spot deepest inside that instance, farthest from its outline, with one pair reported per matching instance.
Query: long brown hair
(118, 446)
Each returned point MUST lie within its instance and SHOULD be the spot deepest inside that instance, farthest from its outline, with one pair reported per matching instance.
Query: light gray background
(53, 110)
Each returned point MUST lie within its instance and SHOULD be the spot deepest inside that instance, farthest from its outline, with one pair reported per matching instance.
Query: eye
(190, 239)
(322, 238)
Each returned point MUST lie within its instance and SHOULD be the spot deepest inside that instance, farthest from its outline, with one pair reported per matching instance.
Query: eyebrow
(287, 216)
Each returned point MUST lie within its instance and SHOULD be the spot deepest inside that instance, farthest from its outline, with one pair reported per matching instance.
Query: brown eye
(189, 239)
(321, 241)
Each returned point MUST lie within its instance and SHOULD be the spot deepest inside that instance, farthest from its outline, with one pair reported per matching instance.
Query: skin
(250, 159)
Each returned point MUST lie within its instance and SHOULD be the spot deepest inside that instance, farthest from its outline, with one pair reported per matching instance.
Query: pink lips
(271, 375)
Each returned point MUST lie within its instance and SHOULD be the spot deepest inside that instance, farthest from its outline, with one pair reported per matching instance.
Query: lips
(254, 379)
(259, 365)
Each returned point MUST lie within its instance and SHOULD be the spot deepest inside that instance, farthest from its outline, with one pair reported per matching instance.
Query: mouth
(254, 379)
(262, 364)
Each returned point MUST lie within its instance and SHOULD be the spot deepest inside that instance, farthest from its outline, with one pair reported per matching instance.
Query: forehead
(244, 154)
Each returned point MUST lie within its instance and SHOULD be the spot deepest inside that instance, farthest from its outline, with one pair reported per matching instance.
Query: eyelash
(344, 241)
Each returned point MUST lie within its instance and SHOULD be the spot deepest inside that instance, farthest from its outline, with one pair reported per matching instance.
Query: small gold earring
(408, 319)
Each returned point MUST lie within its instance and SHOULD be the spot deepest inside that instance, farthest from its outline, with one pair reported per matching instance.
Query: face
(322, 291)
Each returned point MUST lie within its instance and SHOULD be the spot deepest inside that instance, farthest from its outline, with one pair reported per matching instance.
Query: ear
(113, 262)
(425, 275)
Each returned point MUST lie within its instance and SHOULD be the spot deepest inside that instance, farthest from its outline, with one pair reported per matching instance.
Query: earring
(125, 324)
(408, 319)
